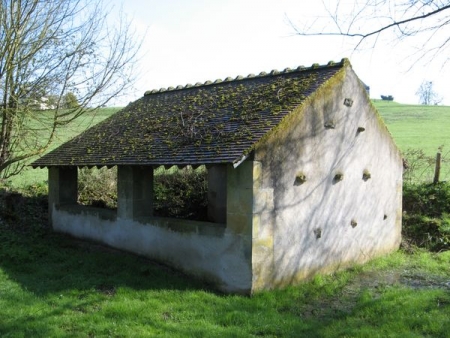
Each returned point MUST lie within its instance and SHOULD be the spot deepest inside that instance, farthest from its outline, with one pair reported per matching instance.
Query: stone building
(303, 177)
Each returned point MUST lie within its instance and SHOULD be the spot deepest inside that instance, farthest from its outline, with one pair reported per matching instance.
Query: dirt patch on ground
(409, 278)
(374, 282)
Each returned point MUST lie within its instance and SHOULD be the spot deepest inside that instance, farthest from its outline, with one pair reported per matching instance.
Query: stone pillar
(134, 192)
(62, 187)
(262, 232)
(250, 214)
(240, 198)
(239, 210)
(217, 193)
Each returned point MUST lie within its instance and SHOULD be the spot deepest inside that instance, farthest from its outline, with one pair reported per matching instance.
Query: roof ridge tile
(273, 72)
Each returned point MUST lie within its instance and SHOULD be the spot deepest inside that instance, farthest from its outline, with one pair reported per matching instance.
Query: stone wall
(336, 177)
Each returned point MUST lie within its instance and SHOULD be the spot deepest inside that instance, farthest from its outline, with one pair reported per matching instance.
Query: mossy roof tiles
(217, 122)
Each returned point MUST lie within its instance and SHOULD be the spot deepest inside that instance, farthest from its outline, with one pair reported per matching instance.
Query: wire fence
(420, 167)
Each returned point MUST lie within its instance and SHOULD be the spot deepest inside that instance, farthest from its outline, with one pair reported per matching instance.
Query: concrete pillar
(217, 193)
(134, 191)
(239, 210)
(250, 214)
(262, 232)
(240, 198)
(62, 187)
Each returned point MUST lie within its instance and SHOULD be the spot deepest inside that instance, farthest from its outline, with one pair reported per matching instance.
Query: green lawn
(35, 176)
(417, 126)
(420, 127)
(52, 285)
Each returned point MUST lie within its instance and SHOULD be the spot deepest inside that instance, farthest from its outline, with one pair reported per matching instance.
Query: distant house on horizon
(41, 104)
(303, 177)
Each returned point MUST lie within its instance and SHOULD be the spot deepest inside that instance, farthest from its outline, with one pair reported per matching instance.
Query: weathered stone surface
(323, 204)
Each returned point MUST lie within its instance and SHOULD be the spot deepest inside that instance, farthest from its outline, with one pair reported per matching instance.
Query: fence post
(437, 169)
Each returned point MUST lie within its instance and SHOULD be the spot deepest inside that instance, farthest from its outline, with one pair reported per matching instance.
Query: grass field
(419, 127)
(412, 127)
(52, 285)
(34, 176)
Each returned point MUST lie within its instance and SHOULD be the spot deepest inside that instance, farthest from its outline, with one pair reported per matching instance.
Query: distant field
(412, 126)
(419, 127)
(33, 176)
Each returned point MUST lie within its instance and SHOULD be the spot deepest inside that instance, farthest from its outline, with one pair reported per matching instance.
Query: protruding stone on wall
(348, 102)
(300, 178)
(366, 175)
(318, 233)
(338, 177)
(330, 124)
(353, 223)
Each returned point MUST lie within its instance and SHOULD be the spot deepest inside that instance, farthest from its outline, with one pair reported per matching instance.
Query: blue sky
(189, 41)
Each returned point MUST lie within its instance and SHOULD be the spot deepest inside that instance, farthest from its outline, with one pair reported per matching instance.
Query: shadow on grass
(43, 261)
(54, 285)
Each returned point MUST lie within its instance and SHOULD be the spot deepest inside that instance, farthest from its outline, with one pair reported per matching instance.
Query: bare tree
(427, 94)
(54, 48)
(366, 21)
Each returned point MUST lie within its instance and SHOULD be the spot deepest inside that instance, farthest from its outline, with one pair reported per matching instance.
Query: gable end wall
(320, 223)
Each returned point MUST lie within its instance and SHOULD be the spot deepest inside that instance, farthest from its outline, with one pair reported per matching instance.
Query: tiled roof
(214, 122)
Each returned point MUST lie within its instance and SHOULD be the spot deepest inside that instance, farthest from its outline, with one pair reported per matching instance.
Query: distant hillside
(417, 126)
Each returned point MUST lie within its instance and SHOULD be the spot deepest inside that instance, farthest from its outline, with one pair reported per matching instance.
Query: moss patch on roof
(208, 123)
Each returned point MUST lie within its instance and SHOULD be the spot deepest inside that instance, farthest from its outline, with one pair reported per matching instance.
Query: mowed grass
(31, 176)
(53, 285)
(419, 127)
